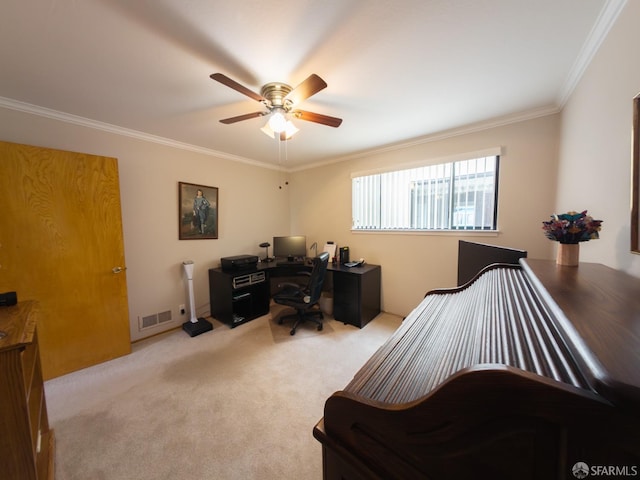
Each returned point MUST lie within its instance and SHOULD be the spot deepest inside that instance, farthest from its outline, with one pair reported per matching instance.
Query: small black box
(238, 262)
(8, 298)
(344, 255)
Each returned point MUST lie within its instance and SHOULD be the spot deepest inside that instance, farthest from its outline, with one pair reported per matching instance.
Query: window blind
(459, 195)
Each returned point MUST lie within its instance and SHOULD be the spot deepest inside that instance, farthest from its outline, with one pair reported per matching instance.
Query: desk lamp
(266, 258)
(195, 326)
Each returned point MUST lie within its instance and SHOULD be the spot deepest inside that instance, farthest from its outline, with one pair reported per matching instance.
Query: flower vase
(568, 254)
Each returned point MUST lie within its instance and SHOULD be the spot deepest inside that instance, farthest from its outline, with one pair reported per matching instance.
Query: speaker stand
(196, 328)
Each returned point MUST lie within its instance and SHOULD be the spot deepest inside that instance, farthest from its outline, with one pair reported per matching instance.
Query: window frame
(437, 162)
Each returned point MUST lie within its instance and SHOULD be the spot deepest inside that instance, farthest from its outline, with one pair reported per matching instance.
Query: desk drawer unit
(356, 294)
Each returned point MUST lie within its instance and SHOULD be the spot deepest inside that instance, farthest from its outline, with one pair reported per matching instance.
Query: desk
(241, 295)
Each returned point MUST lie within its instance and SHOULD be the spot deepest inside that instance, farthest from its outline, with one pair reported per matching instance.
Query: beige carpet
(228, 404)
(281, 333)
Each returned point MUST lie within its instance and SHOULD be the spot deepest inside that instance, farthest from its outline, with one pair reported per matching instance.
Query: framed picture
(198, 211)
(635, 189)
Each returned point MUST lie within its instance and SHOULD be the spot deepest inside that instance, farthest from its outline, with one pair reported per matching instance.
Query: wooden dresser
(26, 442)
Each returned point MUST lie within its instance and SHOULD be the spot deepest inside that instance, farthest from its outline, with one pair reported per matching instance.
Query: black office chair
(305, 297)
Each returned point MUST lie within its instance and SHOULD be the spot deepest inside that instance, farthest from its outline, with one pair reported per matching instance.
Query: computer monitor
(290, 246)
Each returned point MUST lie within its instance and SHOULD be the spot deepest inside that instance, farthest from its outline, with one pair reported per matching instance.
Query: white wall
(413, 264)
(252, 210)
(595, 152)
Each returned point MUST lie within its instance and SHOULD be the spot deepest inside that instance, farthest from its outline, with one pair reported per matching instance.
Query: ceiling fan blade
(312, 85)
(317, 118)
(223, 79)
(240, 118)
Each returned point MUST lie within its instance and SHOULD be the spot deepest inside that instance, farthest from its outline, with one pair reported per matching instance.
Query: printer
(238, 262)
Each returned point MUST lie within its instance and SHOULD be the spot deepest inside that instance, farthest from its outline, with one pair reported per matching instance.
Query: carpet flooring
(235, 403)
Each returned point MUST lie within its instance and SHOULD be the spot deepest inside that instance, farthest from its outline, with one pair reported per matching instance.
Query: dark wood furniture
(529, 371)
(26, 441)
(473, 257)
(356, 293)
(239, 296)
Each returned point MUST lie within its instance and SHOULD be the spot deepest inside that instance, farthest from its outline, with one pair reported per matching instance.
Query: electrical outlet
(181, 309)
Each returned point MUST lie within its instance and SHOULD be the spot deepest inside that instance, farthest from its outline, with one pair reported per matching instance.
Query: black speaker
(8, 298)
(344, 255)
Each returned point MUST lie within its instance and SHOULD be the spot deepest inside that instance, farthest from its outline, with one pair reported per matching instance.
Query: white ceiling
(398, 71)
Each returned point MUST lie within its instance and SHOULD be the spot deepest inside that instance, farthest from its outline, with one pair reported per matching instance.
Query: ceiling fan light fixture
(290, 129)
(267, 130)
(277, 122)
(279, 99)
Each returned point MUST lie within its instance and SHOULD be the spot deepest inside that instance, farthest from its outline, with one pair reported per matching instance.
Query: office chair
(304, 298)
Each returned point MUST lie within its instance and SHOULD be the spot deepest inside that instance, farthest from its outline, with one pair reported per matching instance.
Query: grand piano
(528, 371)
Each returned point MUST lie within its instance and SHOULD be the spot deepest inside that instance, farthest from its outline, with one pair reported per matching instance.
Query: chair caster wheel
(292, 332)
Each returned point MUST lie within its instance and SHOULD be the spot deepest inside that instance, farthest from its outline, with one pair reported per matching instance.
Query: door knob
(118, 269)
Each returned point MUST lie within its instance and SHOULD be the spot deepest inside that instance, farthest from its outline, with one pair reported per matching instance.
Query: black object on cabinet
(237, 297)
(356, 293)
(473, 257)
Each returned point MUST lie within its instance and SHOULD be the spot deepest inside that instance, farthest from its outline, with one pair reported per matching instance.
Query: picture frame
(198, 210)
(635, 174)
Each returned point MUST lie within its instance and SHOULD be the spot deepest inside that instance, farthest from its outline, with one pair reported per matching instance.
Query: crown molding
(455, 132)
(117, 130)
(127, 132)
(598, 33)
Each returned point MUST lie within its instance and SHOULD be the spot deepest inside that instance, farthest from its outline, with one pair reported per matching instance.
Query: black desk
(239, 296)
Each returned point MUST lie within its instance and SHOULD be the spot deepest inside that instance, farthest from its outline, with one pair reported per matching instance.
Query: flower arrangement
(572, 227)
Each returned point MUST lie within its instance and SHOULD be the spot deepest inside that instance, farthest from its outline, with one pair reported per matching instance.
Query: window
(460, 195)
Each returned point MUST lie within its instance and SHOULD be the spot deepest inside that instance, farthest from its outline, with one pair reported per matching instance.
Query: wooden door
(61, 244)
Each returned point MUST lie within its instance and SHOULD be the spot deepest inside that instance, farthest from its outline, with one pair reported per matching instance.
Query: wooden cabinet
(26, 442)
(356, 293)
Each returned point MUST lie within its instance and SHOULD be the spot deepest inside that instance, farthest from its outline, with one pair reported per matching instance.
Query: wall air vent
(148, 321)
(153, 320)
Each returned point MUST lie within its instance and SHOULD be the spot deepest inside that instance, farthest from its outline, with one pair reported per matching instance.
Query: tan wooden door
(61, 244)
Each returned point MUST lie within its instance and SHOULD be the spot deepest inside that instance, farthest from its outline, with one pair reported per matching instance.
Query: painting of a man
(198, 211)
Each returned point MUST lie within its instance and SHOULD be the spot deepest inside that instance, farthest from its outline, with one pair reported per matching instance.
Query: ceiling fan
(280, 99)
